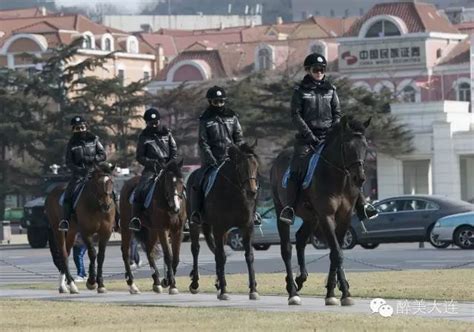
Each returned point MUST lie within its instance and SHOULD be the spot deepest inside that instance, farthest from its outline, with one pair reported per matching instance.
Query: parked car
(457, 228)
(409, 218)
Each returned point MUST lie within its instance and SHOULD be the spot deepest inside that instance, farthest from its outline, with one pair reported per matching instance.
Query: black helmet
(216, 92)
(151, 114)
(315, 59)
(77, 120)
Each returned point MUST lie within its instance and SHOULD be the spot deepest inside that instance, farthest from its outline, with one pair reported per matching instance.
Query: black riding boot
(117, 211)
(196, 205)
(135, 223)
(364, 210)
(67, 212)
(287, 215)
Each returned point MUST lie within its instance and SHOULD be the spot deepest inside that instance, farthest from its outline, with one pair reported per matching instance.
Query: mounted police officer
(83, 152)
(219, 128)
(314, 110)
(156, 147)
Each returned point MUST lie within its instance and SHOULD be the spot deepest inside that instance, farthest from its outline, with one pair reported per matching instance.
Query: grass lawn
(456, 284)
(20, 315)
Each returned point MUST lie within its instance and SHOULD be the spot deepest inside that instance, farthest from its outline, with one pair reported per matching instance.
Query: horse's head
(103, 185)
(246, 162)
(353, 148)
(173, 184)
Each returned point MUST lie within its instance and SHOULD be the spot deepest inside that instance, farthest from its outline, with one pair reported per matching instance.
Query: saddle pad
(211, 179)
(313, 162)
(76, 194)
(149, 194)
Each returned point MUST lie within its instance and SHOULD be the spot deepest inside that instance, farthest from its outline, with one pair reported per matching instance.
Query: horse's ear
(254, 145)
(367, 123)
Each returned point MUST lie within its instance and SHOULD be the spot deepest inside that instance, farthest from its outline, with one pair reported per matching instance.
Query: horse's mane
(247, 149)
(174, 167)
(355, 125)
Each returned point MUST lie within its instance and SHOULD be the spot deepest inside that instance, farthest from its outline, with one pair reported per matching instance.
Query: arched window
(108, 45)
(132, 45)
(408, 94)
(264, 59)
(317, 48)
(87, 42)
(464, 91)
(382, 28)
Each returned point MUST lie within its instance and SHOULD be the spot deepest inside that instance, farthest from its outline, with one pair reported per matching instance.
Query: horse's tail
(207, 231)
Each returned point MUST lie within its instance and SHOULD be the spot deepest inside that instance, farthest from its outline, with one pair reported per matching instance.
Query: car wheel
(464, 237)
(261, 246)
(235, 240)
(350, 239)
(369, 245)
(318, 244)
(37, 237)
(436, 243)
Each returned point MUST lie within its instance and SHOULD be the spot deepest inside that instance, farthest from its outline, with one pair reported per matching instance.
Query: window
(87, 42)
(317, 49)
(408, 94)
(264, 59)
(439, 53)
(464, 92)
(108, 45)
(121, 75)
(416, 177)
(382, 28)
(146, 75)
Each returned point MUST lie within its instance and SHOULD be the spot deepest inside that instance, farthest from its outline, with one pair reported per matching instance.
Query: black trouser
(197, 192)
(298, 165)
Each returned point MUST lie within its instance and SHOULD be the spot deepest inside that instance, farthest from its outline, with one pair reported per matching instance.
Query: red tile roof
(27, 12)
(153, 39)
(333, 26)
(419, 17)
(460, 54)
(466, 27)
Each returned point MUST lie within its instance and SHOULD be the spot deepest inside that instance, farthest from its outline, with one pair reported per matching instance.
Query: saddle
(210, 179)
(148, 191)
(311, 167)
(76, 194)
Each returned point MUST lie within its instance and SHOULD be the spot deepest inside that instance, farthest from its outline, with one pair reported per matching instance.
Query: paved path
(462, 311)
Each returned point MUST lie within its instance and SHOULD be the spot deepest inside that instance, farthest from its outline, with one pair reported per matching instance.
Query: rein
(241, 184)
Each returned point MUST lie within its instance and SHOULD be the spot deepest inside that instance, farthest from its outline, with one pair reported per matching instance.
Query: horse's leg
(68, 243)
(249, 258)
(335, 257)
(60, 257)
(92, 253)
(152, 239)
(103, 240)
(125, 247)
(285, 249)
(220, 266)
(175, 236)
(343, 284)
(194, 232)
(302, 236)
(169, 279)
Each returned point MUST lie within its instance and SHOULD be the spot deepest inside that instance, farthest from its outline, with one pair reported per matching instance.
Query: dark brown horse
(325, 206)
(164, 219)
(94, 214)
(230, 203)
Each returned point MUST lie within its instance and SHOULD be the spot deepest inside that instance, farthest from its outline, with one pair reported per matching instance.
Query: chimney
(279, 20)
(229, 8)
(252, 23)
(246, 11)
(221, 26)
(146, 27)
(160, 58)
(43, 10)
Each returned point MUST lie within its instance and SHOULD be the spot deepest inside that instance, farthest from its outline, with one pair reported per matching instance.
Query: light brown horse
(94, 214)
(164, 219)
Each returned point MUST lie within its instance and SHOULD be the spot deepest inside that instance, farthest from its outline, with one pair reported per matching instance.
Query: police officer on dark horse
(84, 151)
(156, 147)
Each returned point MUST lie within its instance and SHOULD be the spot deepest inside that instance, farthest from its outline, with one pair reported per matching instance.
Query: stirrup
(287, 215)
(257, 220)
(63, 225)
(195, 218)
(135, 224)
(370, 211)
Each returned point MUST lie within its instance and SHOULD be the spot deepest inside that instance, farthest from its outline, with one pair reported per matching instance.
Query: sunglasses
(218, 102)
(315, 70)
(81, 127)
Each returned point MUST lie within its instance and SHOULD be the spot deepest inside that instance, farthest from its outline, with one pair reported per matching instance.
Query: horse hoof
(331, 301)
(173, 291)
(346, 301)
(295, 300)
(164, 283)
(193, 290)
(254, 296)
(158, 289)
(91, 286)
(62, 289)
(223, 297)
(101, 290)
(133, 289)
(73, 288)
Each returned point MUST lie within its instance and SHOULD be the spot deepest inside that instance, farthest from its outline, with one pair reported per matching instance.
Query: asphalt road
(21, 264)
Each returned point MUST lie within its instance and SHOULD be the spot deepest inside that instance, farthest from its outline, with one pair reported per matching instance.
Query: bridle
(104, 207)
(241, 183)
(168, 197)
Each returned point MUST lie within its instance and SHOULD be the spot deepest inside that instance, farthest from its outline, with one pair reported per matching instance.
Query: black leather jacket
(217, 131)
(155, 148)
(314, 109)
(83, 153)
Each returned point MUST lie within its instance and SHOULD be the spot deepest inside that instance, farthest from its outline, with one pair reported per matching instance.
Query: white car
(457, 228)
